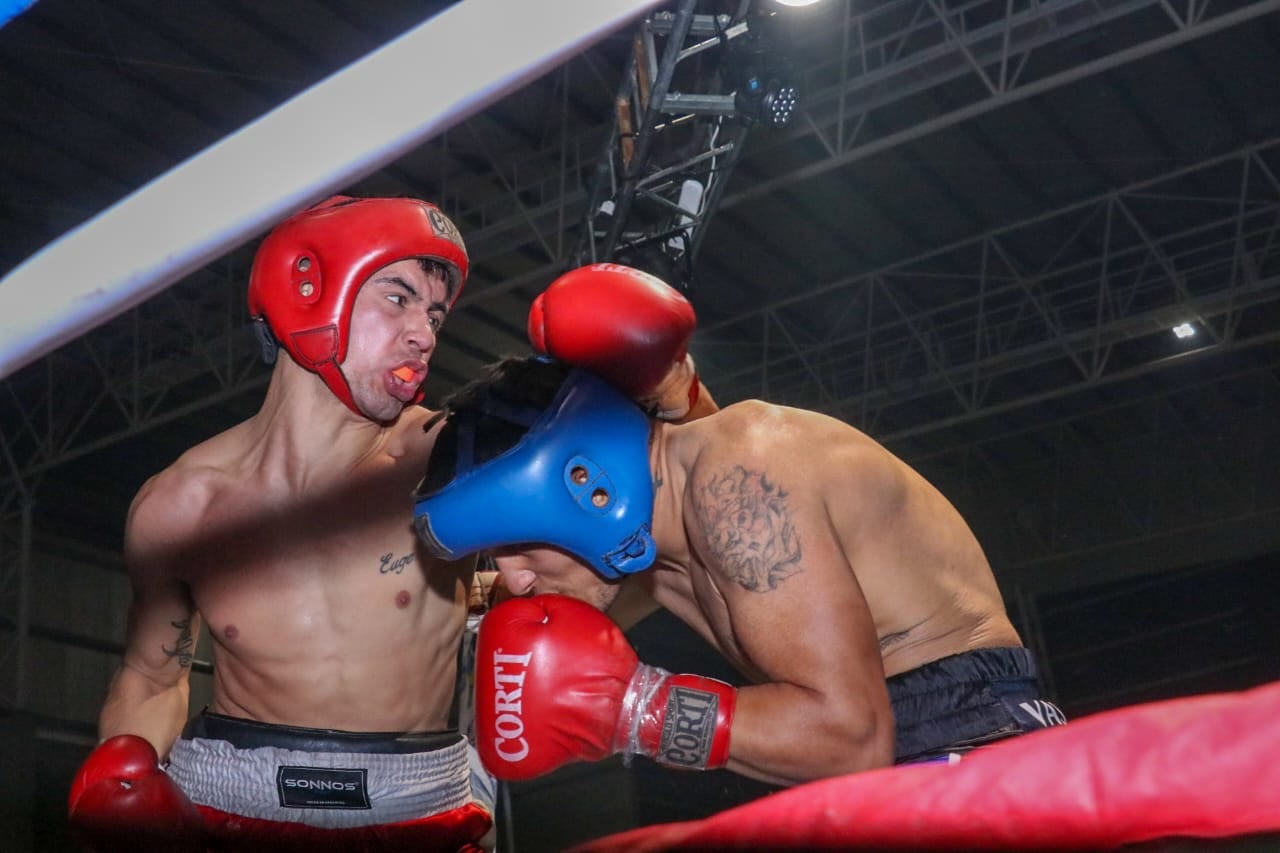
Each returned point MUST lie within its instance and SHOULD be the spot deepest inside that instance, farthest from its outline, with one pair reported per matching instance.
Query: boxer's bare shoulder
(414, 434)
(167, 509)
(181, 510)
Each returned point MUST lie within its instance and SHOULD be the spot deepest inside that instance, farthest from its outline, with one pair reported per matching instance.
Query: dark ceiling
(972, 240)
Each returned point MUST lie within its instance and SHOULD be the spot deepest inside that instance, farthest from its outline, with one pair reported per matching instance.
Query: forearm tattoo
(749, 528)
(184, 648)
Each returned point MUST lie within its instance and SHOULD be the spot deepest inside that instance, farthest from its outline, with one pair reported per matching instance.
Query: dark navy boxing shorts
(952, 705)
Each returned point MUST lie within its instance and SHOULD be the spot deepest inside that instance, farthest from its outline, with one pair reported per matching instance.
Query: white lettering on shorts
(1045, 713)
(322, 788)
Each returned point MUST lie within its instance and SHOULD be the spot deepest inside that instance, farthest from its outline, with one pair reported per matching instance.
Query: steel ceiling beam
(1182, 31)
(1070, 303)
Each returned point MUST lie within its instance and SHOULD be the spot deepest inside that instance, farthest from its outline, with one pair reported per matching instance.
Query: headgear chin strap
(578, 480)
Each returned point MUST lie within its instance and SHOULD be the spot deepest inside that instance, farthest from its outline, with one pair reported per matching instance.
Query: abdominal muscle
(332, 639)
(376, 682)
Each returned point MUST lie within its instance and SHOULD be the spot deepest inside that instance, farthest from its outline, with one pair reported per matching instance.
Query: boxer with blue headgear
(845, 587)
(578, 478)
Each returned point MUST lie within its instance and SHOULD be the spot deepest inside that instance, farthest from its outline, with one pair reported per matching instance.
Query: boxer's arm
(820, 707)
(149, 693)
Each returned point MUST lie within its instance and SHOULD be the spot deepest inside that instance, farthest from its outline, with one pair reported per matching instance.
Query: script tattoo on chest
(184, 648)
(391, 564)
(749, 528)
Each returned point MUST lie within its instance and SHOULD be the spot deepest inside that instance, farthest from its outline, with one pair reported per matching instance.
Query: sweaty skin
(816, 562)
(290, 537)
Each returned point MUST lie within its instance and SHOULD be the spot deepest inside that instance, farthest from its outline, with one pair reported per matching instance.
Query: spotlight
(1184, 330)
(779, 104)
(770, 102)
(759, 66)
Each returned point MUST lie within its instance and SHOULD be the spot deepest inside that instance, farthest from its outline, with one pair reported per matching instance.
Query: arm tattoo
(749, 528)
(184, 648)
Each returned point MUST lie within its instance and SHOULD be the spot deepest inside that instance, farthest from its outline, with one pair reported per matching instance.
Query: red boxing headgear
(309, 268)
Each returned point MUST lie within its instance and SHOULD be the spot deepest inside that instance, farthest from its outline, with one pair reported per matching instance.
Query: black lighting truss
(694, 86)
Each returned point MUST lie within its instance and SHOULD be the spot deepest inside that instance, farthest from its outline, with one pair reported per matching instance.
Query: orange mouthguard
(404, 374)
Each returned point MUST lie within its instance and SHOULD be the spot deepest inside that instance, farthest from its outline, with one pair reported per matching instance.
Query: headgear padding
(579, 479)
(309, 268)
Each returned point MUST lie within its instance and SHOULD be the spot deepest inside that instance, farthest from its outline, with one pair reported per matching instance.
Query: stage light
(767, 100)
(1184, 330)
(779, 104)
(759, 65)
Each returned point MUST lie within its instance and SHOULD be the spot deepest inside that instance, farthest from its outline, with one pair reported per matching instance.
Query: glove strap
(680, 721)
(637, 703)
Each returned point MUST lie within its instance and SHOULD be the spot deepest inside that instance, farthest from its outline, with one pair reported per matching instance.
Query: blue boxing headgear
(579, 480)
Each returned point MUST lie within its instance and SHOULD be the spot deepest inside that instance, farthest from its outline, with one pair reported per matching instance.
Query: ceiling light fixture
(759, 65)
(1184, 330)
(765, 100)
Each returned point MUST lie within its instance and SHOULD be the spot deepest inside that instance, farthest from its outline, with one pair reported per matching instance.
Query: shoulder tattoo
(184, 647)
(748, 527)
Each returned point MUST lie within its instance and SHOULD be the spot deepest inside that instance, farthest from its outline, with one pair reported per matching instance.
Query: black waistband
(979, 666)
(250, 734)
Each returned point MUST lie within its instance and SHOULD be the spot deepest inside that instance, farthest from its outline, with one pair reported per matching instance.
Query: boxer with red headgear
(309, 269)
(288, 540)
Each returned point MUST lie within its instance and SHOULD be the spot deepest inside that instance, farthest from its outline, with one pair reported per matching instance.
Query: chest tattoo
(184, 647)
(749, 528)
(393, 565)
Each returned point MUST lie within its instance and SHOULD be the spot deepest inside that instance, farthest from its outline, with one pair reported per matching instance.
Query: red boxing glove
(557, 682)
(122, 801)
(624, 325)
